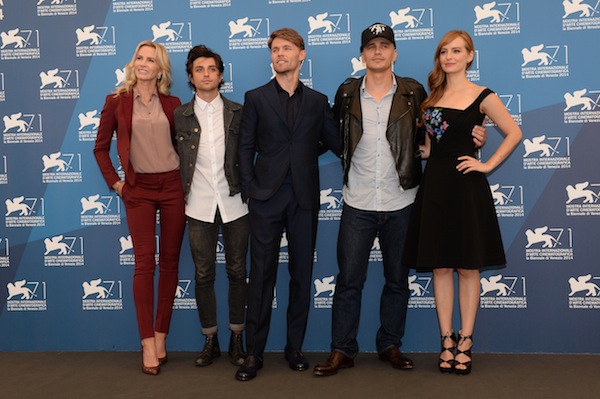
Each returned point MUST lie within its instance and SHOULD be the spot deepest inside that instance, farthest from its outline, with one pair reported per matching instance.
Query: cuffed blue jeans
(203, 242)
(357, 231)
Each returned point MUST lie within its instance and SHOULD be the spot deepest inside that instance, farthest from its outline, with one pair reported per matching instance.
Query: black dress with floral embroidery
(453, 222)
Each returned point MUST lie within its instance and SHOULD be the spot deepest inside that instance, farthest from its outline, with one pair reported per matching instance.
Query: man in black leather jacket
(379, 118)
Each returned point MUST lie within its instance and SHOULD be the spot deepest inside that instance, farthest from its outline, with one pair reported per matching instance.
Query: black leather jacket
(187, 135)
(403, 132)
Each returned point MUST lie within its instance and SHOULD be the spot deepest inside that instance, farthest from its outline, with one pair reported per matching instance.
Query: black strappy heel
(467, 364)
(450, 349)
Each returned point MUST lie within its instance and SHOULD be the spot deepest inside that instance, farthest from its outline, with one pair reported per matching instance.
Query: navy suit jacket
(268, 147)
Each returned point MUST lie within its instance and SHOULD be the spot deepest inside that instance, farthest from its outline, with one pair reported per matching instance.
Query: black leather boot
(236, 349)
(210, 352)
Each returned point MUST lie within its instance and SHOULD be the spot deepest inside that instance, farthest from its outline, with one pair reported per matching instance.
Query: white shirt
(209, 189)
(373, 183)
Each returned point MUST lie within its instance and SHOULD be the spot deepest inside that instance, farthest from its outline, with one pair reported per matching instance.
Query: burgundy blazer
(116, 117)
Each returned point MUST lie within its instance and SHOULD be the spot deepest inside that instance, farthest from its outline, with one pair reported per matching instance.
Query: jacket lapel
(356, 109)
(400, 106)
(305, 94)
(166, 106)
(273, 101)
(227, 117)
(128, 112)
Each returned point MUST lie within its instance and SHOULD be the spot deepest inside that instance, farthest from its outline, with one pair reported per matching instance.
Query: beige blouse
(151, 146)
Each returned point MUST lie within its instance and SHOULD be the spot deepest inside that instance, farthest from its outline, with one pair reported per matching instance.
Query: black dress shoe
(296, 360)
(396, 359)
(210, 352)
(236, 350)
(247, 371)
(336, 361)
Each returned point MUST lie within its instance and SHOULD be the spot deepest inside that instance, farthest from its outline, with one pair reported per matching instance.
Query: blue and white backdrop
(66, 262)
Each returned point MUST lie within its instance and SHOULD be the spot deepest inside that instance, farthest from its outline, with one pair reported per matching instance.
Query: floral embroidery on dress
(434, 123)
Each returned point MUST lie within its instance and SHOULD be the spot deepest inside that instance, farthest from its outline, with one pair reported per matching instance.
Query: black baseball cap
(377, 30)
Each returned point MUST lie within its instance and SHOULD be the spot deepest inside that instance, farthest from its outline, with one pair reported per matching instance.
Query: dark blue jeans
(203, 242)
(357, 231)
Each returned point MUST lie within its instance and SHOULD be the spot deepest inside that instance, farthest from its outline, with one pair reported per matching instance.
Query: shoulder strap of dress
(484, 93)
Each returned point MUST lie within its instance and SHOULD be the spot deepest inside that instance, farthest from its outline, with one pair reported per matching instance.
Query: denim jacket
(187, 135)
(403, 130)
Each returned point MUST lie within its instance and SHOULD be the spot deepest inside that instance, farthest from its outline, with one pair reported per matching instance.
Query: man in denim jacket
(207, 140)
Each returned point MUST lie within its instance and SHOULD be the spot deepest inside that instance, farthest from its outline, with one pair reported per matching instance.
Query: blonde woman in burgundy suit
(141, 113)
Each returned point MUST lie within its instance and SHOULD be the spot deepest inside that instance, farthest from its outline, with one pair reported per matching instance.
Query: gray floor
(118, 375)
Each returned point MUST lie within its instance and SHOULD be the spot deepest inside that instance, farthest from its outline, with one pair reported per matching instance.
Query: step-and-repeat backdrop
(66, 262)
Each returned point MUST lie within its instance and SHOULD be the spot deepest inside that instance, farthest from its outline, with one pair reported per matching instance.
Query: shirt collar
(364, 92)
(281, 90)
(136, 93)
(216, 103)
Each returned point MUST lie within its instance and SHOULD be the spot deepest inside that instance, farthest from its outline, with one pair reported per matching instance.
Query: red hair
(437, 77)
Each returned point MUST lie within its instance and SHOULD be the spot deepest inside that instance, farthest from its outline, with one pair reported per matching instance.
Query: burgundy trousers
(154, 192)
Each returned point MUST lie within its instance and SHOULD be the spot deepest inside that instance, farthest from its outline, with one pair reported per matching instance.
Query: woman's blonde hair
(437, 77)
(163, 82)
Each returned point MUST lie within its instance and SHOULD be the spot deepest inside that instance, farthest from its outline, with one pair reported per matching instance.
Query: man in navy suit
(283, 128)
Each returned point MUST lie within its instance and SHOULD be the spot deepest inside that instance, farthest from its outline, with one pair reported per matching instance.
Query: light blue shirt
(373, 183)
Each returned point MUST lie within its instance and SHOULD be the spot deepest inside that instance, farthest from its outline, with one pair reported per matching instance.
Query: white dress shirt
(210, 190)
